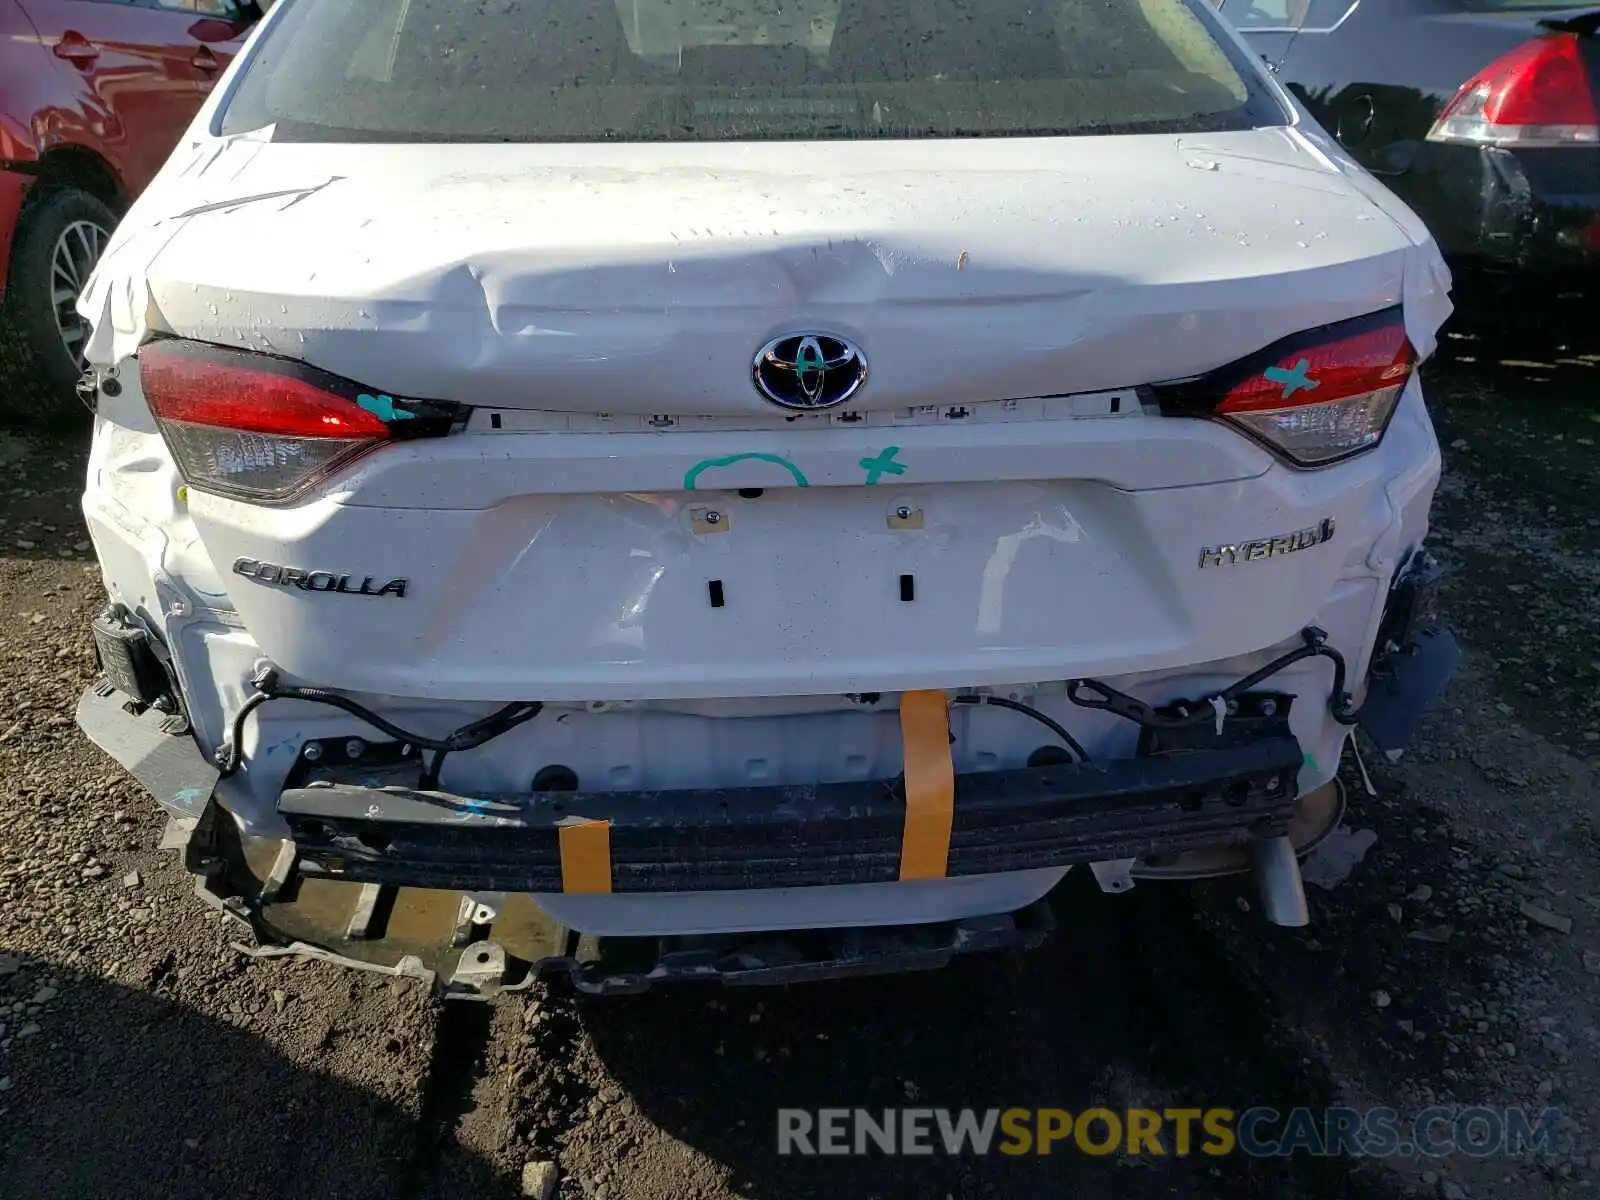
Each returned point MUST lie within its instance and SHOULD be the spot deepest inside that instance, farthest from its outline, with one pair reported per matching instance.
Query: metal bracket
(409, 967)
(282, 868)
(480, 969)
(1114, 874)
(360, 926)
(477, 912)
(175, 834)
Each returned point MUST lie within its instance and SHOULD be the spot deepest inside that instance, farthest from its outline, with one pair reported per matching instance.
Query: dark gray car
(1480, 114)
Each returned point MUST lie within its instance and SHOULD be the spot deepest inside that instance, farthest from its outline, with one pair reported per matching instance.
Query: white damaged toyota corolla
(735, 489)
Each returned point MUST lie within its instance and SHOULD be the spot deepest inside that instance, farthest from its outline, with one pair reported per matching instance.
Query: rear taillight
(1314, 398)
(1537, 95)
(266, 429)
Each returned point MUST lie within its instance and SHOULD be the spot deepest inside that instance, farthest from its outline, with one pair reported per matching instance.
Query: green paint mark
(1293, 381)
(809, 358)
(884, 464)
(383, 408)
(693, 476)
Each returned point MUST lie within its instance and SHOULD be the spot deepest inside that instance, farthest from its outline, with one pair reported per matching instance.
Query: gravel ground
(141, 1056)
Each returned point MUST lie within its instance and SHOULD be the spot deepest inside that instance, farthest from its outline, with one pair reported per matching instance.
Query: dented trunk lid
(643, 279)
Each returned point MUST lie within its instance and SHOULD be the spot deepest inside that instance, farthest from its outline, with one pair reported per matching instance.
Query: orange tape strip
(585, 856)
(930, 785)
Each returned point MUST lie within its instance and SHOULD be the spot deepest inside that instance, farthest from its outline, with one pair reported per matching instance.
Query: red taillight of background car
(264, 429)
(1315, 398)
(1537, 95)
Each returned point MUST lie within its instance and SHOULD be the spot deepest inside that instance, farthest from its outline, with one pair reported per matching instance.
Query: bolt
(903, 512)
(312, 752)
(1269, 708)
(354, 747)
(713, 517)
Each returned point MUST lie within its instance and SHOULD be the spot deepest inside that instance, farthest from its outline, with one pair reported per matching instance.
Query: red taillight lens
(1537, 95)
(251, 427)
(1315, 398)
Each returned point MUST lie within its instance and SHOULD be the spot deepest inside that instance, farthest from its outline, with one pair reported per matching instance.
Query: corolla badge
(809, 371)
(318, 581)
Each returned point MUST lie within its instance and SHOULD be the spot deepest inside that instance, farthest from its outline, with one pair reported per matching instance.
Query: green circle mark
(693, 476)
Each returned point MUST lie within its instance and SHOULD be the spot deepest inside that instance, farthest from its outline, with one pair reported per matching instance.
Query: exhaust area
(1283, 892)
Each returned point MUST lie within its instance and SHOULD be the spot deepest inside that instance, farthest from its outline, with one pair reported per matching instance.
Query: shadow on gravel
(1516, 403)
(1130, 1004)
(124, 1093)
(26, 404)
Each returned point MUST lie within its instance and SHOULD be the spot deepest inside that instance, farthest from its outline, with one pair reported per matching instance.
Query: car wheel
(60, 237)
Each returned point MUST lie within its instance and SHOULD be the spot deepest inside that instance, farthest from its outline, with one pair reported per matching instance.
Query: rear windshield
(720, 70)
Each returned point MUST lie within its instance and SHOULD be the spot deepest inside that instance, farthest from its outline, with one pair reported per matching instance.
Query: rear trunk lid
(642, 279)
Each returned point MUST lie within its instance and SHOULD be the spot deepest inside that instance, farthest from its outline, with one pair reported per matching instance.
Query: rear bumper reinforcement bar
(348, 824)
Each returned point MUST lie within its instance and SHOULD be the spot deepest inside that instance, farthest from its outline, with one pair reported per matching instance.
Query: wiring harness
(468, 737)
(1091, 693)
(1085, 693)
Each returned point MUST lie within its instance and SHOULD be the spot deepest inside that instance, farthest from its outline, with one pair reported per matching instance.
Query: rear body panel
(1034, 554)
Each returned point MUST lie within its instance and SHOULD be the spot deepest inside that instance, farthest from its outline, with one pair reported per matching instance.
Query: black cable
(469, 736)
(430, 773)
(1028, 710)
(1340, 703)
(466, 738)
(1091, 693)
(229, 755)
(476, 733)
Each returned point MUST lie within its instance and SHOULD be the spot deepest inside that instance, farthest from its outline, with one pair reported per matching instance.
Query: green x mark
(1293, 380)
(383, 407)
(884, 464)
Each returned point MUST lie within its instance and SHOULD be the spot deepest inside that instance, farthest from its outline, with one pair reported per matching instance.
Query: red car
(94, 94)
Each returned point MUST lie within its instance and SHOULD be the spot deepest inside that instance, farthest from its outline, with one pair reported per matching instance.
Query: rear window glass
(716, 70)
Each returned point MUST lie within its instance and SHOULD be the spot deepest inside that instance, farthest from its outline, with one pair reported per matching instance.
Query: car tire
(60, 236)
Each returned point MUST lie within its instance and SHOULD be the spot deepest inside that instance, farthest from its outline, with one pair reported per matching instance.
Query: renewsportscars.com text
(1260, 1132)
